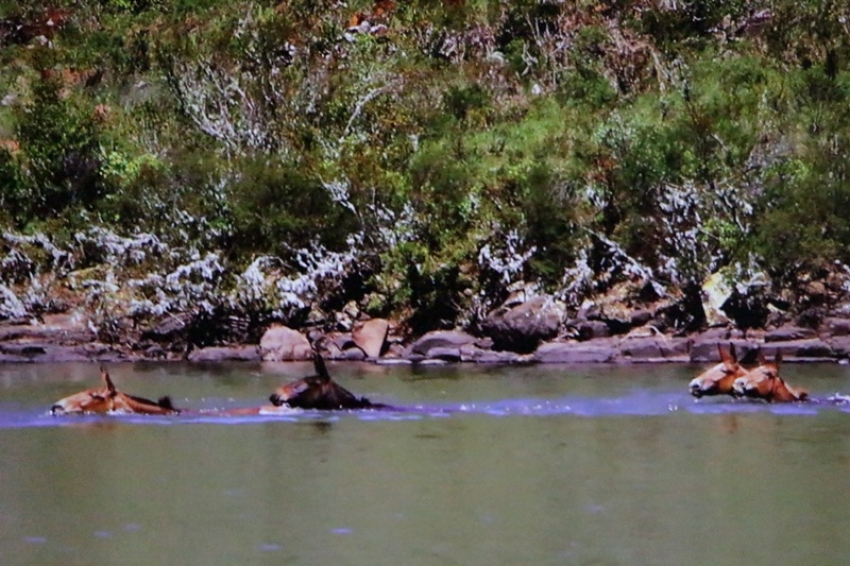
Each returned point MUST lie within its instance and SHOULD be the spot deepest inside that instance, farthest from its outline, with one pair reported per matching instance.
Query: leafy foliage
(461, 147)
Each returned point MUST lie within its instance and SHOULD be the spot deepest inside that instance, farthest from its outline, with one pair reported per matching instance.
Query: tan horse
(108, 399)
(319, 392)
(763, 382)
(719, 379)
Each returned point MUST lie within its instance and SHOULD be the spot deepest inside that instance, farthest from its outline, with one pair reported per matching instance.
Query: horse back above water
(107, 399)
(319, 392)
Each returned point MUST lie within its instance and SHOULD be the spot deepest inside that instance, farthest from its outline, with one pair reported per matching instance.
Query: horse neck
(782, 393)
(139, 405)
(725, 384)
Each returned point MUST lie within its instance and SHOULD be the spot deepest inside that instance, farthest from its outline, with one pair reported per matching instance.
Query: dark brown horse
(319, 392)
(108, 399)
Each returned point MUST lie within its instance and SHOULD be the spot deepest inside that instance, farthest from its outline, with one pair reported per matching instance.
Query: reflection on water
(497, 465)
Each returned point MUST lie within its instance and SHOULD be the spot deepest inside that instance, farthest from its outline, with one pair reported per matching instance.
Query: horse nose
(56, 409)
(275, 399)
(696, 389)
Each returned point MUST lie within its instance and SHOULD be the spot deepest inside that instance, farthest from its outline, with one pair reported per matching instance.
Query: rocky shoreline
(67, 338)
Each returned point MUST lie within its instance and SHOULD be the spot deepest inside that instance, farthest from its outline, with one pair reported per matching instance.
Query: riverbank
(67, 338)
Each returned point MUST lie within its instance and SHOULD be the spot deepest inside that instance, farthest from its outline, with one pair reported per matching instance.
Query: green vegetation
(458, 147)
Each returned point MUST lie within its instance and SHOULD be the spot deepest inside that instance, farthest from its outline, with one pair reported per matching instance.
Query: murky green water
(537, 465)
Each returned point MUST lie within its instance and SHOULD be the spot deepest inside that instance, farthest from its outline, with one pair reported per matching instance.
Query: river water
(493, 465)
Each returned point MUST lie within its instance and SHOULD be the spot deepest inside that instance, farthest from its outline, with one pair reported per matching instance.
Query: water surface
(495, 465)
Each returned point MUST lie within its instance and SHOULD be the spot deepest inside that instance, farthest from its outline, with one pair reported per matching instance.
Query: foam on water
(638, 402)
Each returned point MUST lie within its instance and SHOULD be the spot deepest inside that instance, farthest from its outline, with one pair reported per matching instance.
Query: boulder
(371, 335)
(789, 333)
(837, 326)
(54, 329)
(481, 355)
(523, 327)
(445, 353)
(172, 328)
(225, 354)
(655, 349)
(598, 351)
(840, 346)
(704, 348)
(813, 350)
(440, 339)
(334, 345)
(281, 343)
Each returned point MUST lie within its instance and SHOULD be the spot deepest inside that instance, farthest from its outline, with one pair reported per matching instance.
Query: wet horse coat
(719, 379)
(763, 382)
(319, 392)
(108, 399)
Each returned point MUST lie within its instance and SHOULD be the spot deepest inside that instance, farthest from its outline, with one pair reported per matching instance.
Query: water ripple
(639, 402)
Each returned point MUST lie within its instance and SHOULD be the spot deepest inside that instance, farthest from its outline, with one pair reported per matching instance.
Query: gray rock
(812, 350)
(473, 353)
(447, 354)
(47, 352)
(523, 327)
(840, 346)
(225, 354)
(55, 329)
(598, 351)
(704, 349)
(655, 349)
(789, 333)
(371, 335)
(281, 343)
(592, 329)
(837, 326)
(440, 339)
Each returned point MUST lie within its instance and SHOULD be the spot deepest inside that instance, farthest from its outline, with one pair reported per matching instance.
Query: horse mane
(321, 368)
(162, 402)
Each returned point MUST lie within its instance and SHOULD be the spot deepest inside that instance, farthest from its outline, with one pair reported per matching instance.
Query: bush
(60, 142)
(280, 207)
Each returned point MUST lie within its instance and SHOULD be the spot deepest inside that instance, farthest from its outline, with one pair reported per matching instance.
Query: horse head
(719, 379)
(317, 392)
(763, 382)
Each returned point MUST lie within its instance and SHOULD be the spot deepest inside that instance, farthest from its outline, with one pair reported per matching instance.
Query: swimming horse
(719, 379)
(315, 392)
(320, 392)
(763, 382)
(108, 399)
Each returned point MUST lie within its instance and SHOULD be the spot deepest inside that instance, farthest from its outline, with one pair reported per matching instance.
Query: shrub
(280, 207)
(61, 146)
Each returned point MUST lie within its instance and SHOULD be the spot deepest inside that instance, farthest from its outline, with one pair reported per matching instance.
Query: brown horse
(719, 379)
(108, 399)
(763, 382)
(319, 392)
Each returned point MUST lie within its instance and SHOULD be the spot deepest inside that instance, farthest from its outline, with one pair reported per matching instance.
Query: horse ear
(728, 357)
(107, 380)
(321, 369)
